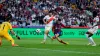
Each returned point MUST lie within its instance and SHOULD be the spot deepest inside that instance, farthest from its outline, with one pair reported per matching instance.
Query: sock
(12, 42)
(91, 39)
(62, 42)
(88, 38)
(49, 36)
(45, 37)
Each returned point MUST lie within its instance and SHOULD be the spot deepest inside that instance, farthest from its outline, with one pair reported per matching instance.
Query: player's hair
(9, 17)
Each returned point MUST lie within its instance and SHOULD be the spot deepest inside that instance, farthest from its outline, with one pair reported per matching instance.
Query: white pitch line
(63, 51)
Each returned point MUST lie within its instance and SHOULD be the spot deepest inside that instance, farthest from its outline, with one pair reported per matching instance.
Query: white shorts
(93, 30)
(48, 28)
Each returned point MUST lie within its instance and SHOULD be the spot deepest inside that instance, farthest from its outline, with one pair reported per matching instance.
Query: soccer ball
(38, 30)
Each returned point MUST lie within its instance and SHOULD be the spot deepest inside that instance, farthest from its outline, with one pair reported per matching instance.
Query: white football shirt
(47, 17)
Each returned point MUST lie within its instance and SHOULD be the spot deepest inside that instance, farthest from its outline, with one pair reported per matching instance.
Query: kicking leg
(57, 36)
(61, 41)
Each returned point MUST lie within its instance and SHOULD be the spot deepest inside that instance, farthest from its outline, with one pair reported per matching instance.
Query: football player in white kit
(48, 26)
(92, 30)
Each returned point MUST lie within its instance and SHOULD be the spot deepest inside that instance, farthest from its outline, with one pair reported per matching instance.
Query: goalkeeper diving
(5, 27)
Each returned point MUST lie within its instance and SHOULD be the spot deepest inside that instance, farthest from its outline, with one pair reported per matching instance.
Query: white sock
(91, 39)
(45, 37)
(88, 38)
(49, 36)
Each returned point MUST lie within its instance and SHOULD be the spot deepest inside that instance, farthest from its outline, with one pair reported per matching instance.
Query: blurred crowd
(32, 12)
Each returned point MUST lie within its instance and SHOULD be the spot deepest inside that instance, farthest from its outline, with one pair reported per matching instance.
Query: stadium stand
(29, 13)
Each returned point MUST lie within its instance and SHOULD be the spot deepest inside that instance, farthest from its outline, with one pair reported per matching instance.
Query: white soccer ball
(38, 30)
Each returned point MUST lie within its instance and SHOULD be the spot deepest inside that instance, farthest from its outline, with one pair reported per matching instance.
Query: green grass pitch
(33, 47)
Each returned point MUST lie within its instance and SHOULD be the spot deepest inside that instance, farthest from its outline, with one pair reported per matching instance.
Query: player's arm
(12, 32)
(44, 20)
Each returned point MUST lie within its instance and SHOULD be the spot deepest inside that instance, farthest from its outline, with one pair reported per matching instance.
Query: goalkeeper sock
(12, 42)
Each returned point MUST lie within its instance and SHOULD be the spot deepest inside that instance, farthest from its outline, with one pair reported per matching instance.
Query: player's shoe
(53, 38)
(93, 44)
(43, 42)
(67, 43)
(14, 45)
(89, 44)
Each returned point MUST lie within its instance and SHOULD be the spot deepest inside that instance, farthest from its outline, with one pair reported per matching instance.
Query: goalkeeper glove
(18, 37)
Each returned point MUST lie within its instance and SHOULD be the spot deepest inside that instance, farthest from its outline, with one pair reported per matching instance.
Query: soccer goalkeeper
(5, 27)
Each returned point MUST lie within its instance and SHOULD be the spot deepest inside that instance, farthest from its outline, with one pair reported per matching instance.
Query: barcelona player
(5, 27)
(57, 31)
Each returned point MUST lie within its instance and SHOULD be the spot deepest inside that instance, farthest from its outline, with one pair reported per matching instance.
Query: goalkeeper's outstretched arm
(12, 32)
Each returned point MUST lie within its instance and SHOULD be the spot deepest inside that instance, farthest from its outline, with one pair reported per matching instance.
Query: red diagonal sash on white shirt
(50, 19)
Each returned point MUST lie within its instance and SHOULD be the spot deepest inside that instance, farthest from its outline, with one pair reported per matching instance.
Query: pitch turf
(33, 47)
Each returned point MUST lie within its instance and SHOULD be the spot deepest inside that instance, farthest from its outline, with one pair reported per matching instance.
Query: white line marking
(63, 51)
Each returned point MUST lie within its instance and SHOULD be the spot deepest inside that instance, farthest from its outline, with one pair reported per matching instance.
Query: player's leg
(48, 29)
(49, 35)
(90, 39)
(87, 35)
(9, 38)
(1, 36)
(61, 41)
(0, 41)
(46, 34)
